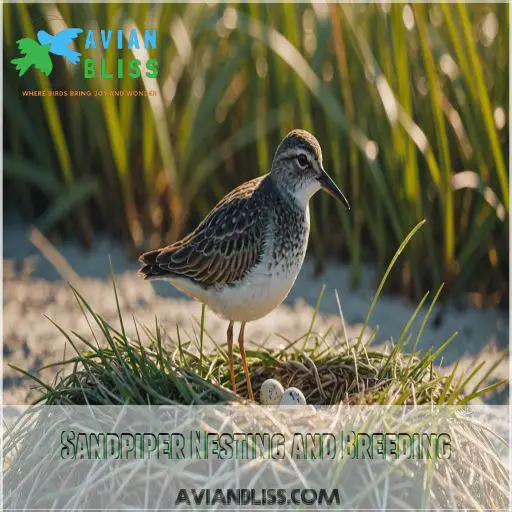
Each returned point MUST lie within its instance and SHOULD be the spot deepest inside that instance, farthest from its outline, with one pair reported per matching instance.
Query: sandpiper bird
(244, 257)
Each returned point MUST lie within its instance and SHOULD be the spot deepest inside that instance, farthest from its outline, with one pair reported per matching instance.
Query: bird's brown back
(225, 245)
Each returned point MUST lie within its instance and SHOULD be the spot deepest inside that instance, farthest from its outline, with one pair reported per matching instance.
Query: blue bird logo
(58, 43)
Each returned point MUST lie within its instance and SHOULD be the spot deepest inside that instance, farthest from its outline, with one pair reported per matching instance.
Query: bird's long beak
(332, 189)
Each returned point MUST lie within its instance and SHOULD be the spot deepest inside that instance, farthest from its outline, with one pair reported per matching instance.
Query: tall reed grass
(410, 103)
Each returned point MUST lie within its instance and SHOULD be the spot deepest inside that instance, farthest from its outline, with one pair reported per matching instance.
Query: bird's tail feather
(21, 64)
(74, 57)
(149, 269)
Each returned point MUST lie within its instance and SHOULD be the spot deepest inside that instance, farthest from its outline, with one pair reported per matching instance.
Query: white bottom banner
(255, 457)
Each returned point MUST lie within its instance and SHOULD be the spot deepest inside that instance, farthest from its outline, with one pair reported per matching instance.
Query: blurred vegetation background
(409, 102)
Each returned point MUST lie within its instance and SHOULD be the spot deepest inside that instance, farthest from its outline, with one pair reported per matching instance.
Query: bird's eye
(303, 161)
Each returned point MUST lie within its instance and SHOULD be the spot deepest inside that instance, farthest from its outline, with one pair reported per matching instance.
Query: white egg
(293, 396)
(271, 392)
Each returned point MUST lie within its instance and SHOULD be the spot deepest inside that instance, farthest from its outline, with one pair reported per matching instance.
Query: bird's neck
(298, 194)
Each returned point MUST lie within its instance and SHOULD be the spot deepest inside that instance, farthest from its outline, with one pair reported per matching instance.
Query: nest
(130, 373)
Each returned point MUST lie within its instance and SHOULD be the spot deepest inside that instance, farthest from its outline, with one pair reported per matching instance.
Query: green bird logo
(35, 54)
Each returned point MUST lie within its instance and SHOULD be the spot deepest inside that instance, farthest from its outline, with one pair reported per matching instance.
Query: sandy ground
(33, 288)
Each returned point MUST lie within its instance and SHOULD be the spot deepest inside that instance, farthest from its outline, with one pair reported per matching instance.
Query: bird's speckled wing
(224, 247)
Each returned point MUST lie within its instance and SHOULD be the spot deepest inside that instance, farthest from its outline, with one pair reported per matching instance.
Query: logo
(37, 53)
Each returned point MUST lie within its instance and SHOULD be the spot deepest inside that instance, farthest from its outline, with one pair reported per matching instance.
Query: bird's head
(297, 168)
(44, 38)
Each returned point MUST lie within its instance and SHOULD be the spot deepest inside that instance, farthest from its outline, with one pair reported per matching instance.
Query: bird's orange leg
(230, 355)
(244, 360)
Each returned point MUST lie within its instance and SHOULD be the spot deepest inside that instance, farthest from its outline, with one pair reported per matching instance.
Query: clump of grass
(121, 370)
(117, 369)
